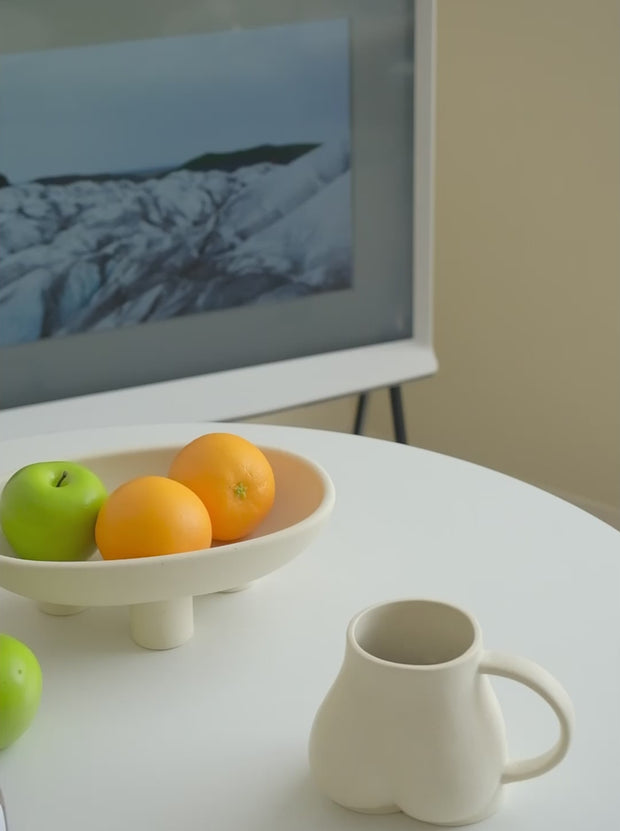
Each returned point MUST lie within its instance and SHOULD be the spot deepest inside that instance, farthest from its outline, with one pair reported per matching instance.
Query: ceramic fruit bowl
(160, 590)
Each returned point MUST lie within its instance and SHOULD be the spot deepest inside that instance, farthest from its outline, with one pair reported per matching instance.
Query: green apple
(48, 511)
(20, 689)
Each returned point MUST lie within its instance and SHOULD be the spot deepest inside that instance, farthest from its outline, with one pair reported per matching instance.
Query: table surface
(213, 734)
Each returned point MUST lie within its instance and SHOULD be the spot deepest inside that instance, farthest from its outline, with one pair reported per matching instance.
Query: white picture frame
(254, 390)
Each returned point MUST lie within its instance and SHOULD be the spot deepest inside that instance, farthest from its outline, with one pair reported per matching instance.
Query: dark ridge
(68, 178)
(274, 154)
(228, 162)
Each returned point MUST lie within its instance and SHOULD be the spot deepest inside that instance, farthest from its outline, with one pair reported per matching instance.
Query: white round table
(213, 734)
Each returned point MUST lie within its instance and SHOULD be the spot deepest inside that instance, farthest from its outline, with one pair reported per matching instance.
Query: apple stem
(62, 479)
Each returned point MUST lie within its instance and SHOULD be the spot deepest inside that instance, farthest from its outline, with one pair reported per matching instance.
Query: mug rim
(464, 656)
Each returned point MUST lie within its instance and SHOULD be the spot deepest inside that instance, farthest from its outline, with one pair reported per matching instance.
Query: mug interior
(414, 632)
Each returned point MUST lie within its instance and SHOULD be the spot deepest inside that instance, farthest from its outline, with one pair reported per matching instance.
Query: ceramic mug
(412, 724)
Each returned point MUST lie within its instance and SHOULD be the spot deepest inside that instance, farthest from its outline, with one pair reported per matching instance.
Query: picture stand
(396, 406)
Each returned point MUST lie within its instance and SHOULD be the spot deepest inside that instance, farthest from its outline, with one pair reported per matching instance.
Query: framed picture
(211, 210)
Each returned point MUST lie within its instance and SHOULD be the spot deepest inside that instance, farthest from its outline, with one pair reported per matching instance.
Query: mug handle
(542, 682)
(3, 823)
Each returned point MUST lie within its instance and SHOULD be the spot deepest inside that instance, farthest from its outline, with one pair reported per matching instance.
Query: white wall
(527, 295)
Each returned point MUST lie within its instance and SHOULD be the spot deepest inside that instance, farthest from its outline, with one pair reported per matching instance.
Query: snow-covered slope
(95, 255)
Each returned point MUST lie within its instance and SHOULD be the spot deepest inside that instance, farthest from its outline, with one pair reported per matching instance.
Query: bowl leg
(162, 624)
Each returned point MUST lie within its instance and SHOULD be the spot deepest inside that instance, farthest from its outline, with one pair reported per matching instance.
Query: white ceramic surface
(159, 590)
(412, 724)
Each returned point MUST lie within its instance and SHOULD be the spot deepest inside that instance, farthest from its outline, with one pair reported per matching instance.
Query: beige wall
(527, 278)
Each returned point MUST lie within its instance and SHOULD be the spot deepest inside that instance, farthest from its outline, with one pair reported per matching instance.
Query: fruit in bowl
(149, 516)
(48, 510)
(219, 486)
(232, 477)
(20, 689)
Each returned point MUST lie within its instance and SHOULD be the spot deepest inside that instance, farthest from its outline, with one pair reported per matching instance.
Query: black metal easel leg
(398, 417)
(360, 413)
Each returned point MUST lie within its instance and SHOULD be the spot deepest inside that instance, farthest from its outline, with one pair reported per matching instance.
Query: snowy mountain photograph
(145, 180)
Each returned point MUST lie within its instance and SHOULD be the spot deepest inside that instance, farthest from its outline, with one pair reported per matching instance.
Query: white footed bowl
(160, 590)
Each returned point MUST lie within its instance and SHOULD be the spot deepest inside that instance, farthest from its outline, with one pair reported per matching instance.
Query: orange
(233, 478)
(151, 515)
